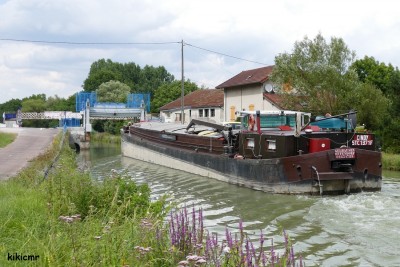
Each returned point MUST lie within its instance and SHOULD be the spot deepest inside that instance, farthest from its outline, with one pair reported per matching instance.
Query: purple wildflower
(228, 236)
(194, 233)
(172, 230)
(252, 251)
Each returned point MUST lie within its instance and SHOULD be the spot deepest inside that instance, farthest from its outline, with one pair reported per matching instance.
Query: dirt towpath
(29, 143)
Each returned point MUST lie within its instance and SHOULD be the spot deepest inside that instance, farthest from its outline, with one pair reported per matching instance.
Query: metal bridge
(87, 106)
(49, 115)
(94, 113)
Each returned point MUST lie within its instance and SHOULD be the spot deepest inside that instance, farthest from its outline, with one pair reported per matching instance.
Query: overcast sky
(255, 30)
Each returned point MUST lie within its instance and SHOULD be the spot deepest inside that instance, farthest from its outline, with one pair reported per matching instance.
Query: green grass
(391, 162)
(34, 214)
(6, 138)
(105, 138)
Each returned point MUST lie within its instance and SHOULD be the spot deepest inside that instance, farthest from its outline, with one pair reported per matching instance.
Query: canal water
(351, 230)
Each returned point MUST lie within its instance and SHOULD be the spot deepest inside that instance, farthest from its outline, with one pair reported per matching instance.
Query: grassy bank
(391, 162)
(6, 138)
(68, 219)
(105, 138)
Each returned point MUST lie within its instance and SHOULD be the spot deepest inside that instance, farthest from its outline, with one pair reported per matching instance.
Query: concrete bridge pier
(78, 139)
(80, 136)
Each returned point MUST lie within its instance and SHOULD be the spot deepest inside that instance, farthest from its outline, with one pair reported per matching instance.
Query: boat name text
(362, 140)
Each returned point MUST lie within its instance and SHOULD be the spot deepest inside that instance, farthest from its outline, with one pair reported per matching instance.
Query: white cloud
(254, 29)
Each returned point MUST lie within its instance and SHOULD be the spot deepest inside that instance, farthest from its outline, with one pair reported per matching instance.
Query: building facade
(249, 90)
(206, 104)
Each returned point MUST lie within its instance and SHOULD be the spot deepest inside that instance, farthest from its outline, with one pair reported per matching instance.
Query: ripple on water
(364, 224)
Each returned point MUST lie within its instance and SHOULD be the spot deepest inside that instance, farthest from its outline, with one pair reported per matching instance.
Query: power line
(129, 43)
(86, 43)
(226, 55)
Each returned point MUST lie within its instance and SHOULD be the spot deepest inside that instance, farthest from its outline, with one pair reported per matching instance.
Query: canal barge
(283, 152)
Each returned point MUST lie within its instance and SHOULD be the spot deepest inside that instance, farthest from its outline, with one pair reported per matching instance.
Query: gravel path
(29, 143)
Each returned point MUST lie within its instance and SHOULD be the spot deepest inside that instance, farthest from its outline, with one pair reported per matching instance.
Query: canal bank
(30, 143)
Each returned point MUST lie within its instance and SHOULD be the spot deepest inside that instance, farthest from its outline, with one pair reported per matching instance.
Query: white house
(249, 90)
(201, 104)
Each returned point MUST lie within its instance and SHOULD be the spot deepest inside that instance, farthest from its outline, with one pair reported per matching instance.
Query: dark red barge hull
(310, 174)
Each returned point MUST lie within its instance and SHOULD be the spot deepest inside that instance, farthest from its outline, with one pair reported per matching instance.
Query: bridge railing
(50, 115)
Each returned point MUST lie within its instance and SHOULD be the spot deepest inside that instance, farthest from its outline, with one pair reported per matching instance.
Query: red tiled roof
(277, 100)
(199, 98)
(274, 99)
(246, 77)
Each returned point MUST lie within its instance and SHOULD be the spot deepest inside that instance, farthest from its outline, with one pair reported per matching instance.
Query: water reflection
(351, 230)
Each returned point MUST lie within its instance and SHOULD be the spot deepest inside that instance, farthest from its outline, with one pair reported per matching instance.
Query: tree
(94, 80)
(394, 91)
(145, 80)
(113, 91)
(151, 78)
(316, 73)
(36, 103)
(387, 79)
(169, 92)
(33, 105)
(10, 106)
(55, 103)
(372, 105)
(372, 71)
(321, 81)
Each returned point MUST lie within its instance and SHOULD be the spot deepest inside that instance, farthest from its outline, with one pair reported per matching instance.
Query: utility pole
(183, 88)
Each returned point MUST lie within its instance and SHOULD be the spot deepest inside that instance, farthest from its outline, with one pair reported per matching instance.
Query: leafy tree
(33, 105)
(93, 82)
(145, 80)
(316, 73)
(390, 135)
(321, 81)
(394, 91)
(169, 92)
(372, 71)
(372, 105)
(55, 103)
(10, 106)
(113, 126)
(113, 91)
(387, 79)
(151, 78)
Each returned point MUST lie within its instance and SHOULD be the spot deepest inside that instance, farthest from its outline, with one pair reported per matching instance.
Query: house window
(200, 113)
(206, 112)
(212, 112)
